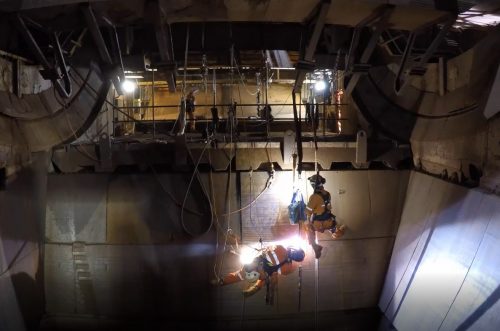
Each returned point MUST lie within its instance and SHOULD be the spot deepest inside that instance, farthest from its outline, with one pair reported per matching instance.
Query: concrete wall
(138, 273)
(22, 209)
(445, 272)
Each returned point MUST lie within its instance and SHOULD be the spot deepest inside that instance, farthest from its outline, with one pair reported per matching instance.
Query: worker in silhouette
(264, 270)
(190, 105)
(319, 214)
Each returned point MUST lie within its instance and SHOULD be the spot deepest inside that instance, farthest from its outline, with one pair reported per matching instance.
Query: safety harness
(269, 269)
(327, 214)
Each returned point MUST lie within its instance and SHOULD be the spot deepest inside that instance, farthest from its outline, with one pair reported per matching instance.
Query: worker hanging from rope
(319, 214)
(264, 270)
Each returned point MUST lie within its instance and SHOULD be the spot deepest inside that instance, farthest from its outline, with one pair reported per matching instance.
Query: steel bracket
(408, 66)
(378, 20)
(116, 74)
(58, 73)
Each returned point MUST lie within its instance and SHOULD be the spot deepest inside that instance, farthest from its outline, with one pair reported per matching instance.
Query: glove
(339, 232)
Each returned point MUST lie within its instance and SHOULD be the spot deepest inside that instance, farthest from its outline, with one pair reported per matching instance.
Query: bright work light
(247, 255)
(320, 85)
(129, 86)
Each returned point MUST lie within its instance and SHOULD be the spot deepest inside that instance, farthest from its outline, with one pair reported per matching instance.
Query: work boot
(317, 250)
(339, 232)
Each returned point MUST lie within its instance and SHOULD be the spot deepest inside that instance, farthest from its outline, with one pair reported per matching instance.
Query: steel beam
(115, 72)
(54, 73)
(96, 34)
(408, 66)
(282, 59)
(156, 15)
(375, 16)
(115, 43)
(308, 58)
(379, 19)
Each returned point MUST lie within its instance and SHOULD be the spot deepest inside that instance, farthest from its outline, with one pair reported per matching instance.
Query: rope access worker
(319, 214)
(265, 268)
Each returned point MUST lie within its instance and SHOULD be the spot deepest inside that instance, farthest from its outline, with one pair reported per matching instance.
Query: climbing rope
(186, 50)
(316, 261)
(228, 187)
(299, 287)
(196, 173)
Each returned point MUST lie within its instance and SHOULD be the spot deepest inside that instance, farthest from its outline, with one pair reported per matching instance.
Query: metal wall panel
(368, 202)
(76, 208)
(132, 281)
(59, 279)
(443, 274)
(137, 273)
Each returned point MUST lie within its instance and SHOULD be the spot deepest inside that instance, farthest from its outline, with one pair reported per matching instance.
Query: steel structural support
(115, 41)
(163, 39)
(408, 66)
(96, 34)
(115, 73)
(379, 20)
(55, 73)
(306, 62)
(305, 65)
(376, 15)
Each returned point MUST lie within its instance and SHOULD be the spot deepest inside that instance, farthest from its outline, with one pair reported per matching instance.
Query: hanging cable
(170, 195)
(299, 287)
(216, 217)
(89, 87)
(186, 50)
(453, 113)
(316, 286)
(195, 173)
(298, 133)
(257, 229)
(65, 105)
(266, 187)
(242, 81)
(228, 187)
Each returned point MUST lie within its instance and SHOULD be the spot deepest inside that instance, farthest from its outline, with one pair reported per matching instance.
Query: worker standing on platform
(319, 214)
(190, 105)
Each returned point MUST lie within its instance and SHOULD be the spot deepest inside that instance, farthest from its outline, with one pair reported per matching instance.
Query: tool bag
(297, 208)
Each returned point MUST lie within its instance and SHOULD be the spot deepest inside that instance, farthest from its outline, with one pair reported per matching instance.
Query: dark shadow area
(352, 320)
(29, 295)
(22, 210)
(3, 178)
(385, 117)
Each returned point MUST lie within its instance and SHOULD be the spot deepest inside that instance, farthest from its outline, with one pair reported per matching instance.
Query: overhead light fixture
(134, 77)
(320, 85)
(129, 86)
